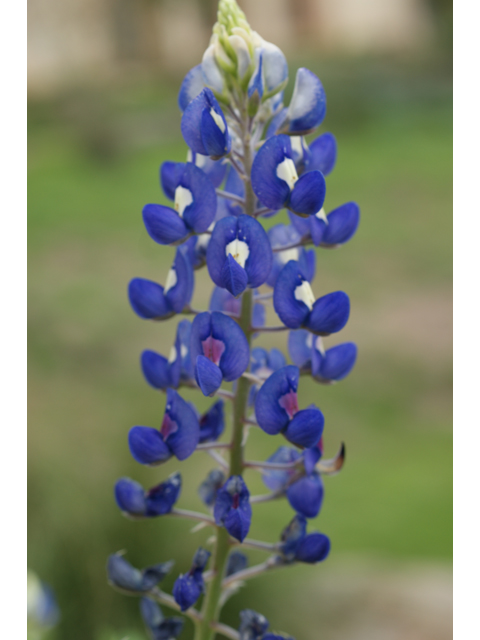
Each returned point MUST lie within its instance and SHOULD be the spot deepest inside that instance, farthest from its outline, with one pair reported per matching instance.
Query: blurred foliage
(94, 155)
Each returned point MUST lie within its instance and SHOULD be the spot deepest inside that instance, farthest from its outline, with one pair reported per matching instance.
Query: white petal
(211, 73)
(321, 215)
(305, 95)
(173, 355)
(304, 293)
(243, 54)
(171, 281)
(183, 198)
(238, 250)
(289, 254)
(286, 171)
(218, 120)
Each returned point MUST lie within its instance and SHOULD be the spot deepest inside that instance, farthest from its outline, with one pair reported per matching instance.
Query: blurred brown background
(103, 80)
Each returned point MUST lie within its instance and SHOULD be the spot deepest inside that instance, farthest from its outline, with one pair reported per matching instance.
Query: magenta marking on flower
(289, 402)
(236, 500)
(169, 426)
(213, 349)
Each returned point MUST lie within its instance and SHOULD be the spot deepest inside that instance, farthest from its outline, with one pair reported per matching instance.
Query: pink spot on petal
(289, 402)
(213, 349)
(169, 426)
(236, 500)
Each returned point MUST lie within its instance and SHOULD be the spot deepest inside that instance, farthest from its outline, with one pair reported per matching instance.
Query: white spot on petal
(303, 293)
(297, 147)
(286, 171)
(289, 254)
(238, 250)
(183, 198)
(200, 160)
(171, 281)
(218, 120)
(173, 355)
(183, 351)
(321, 215)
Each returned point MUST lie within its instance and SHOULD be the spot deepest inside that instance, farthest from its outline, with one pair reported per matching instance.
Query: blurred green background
(94, 152)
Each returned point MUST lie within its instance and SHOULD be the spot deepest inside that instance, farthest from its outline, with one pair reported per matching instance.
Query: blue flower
(299, 546)
(322, 154)
(331, 230)
(296, 306)
(178, 435)
(190, 586)
(252, 625)
(285, 235)
(306, 495)
(276, 479)
(209, 487)
(161, 628)
(276, 183)
(192, 85)
(256, 84)
(204, 127)
(222, 300)
(239, 254)
(134, 501)
(308, 104)
(151, 301)
(232, 508)
(276, 410)
(212, 423)
(215, 170)
(123, 576)
(263, 364)
(307, 352)
(237, 561)
(219, 350)
(194, 209)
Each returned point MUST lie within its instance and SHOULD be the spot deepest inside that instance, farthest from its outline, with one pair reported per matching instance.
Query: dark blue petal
(323, 154)
(160, 499)
(272, 191)
(237, 523)
(200, 214)
(330, 313)
(256, 82)
(184, 440)
(302, 225)
(209, 487)
(271, 416)
(155, 368)
(337, 362)
(314, 548)
(252, 625)
(130, 496)
(282, 235)
(275, 479)
(318, 227)
(310, 458)
(184, 331)
(300, 345)
(307, 263)
(306, 495)
(235, 358)
(208, 376)
(214, 169)
(308, 104)
(276, 123)
(305, 428)
(170, 174)
(259, 359)
(259, 260)
(163, 224)
(276, 360)
(201, 130)
(180, 281)
(122, 575)
(215, 137)
(308, 194)
(291, 311)
(151, 613)
(147, 446)
(237, 561)
(200, 560)
(233, 277)
(192, 85)
(232, 508)
(212, 423)
(186, 591)
(147, 299)
(292, 535)
(342, 224)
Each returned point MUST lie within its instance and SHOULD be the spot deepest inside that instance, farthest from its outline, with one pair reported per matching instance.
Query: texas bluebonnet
(247, 160)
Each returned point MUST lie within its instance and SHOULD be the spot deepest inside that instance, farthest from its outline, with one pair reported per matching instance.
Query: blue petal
(276, 359)
(222, 300)
(276, 123)
(192, 85)
(200, 129)
(122, 575)
(329, 314)
(160, 499)
(212, 423)
(184, 331)
(215, 170)
(308, 194)
(235, 358)
(292, 312)
(216, 141)
(272, 191)
(305, 428)
(337, 362)
(234, 185)
(147, 446)
(232, 507)
(151, 613)
(147, 299)
(275, 67)
(252, 625)
(130, 496)
(282, 235)
(155, 368)
(323, 154)
(314, 548)
(308, 104)
(318, 227)
(180, 293)
(186, 591)
(259, 315)
(256, 82)
(233, 277)
(182, 442)
(306, 495)
(342, 224)
(300, 348)
(237, 561)
(275, 479)
(271, 416)
(208, 376)
(209, 487)
(170, 174)
(200, 214)
(237, 523)
(163, 224)
(302, 225)
(310, 458)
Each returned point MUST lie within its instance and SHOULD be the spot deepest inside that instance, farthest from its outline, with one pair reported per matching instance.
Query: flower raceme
(246, 159)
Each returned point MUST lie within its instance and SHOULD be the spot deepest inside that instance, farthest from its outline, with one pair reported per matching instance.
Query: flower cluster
(247, 160)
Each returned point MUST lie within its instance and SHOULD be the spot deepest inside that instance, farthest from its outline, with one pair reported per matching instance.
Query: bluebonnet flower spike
(123, 576)
(232, 508)
(178, 436)
(189, 587)
(159, 500)
(204, 127)
(239, 254)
